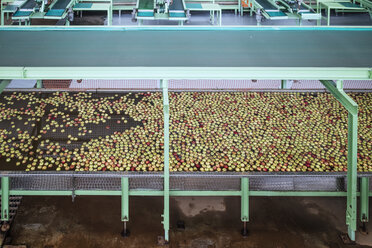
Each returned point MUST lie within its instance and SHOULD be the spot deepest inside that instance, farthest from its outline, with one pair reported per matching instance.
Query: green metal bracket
(164, 85)
(337, 91)
(4, 84)
(364, 199)
(351, 212)
(245, 199)
(5, 198)
(39, 84)
(124, 199)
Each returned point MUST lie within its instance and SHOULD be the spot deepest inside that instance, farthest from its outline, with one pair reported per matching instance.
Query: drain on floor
(202, 243)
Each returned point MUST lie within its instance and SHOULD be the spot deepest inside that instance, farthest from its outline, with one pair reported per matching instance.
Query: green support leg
(328, 16)
(351, 212)
(352, 175)
(5, 198)
(245, 204)
(283, 84)
(364, 200)
(164, 85)
(39, 84)
(109, 16)
(125, 204)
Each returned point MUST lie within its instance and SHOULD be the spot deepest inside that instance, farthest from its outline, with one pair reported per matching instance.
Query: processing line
(26, 10)
(36, 9)
(58, 9)
(173, 10)
(281, 10)
(338, 5)
(159, 53)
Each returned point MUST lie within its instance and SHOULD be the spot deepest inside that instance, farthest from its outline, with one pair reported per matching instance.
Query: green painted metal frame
(184, 72)
(283, 84)
(124, 199)
(244, 199)
(351, 106)
(206, 73)
(364, 199)
(39, 84)
(4, 180)
(5, 198)
(164, 86)
(175, 193)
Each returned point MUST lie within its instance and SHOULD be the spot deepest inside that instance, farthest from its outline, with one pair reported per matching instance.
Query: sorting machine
(61, 10)
(280, 10)
(173, 10)
(162, 53)
(36, 9)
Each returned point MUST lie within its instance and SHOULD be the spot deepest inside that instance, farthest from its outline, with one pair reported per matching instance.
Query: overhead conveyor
(162, 53)
(270, 10)
(177, 9)
(145, 8)
(58, 9)
(26, 10)
(38, 9)
(280, 10)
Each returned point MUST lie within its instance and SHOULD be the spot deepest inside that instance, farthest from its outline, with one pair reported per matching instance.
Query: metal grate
(42, 183)
(183, 181)
(114, 84)
(223, 84)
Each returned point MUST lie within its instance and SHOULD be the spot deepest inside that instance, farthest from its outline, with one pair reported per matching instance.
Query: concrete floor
(94, 222)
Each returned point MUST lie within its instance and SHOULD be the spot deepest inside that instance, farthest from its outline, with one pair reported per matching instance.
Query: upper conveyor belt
(265, 4)
(186, 48)
(177, 5)
(61, 4)
(146, 5)
(28, 5)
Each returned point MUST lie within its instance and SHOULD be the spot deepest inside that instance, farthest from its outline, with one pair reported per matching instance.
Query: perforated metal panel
(180, 181)
(42, 183)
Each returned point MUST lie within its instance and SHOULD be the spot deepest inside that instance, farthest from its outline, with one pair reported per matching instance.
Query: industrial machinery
(60, 10)
(161, 54)
(281, 10)
(35, 9)
(173, 10)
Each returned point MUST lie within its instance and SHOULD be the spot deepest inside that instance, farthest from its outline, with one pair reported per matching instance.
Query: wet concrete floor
(94, 222)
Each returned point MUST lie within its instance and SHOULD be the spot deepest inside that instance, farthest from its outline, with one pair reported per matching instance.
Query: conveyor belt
(61, 4)
(266, 5)
(22, 13)
(177, 5)
(187, 48)
(28, 5)
(58, 9)
(146, 4)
